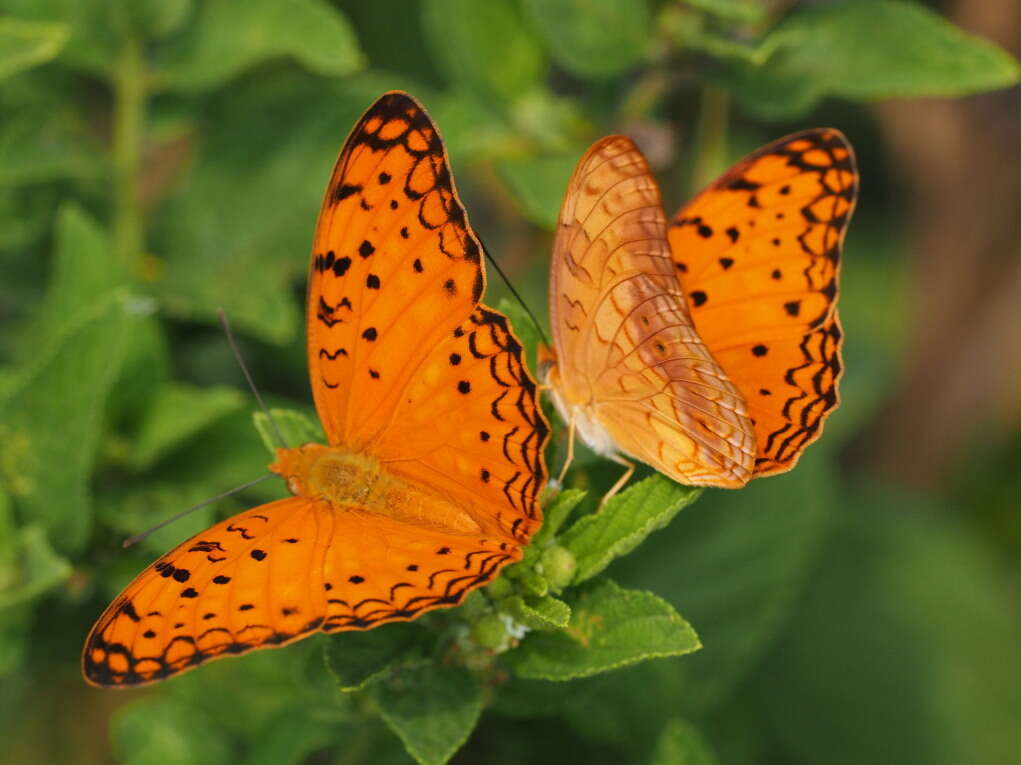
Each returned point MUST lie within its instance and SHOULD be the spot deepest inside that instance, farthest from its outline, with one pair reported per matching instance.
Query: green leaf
(473, 130)
(95, 29)
(609, 628)
(681, 744)
(868, 50)
(692, 33)
(52, 419)
(179, 412)
(736, 565)
(291, 737)
(432, 707)
(85, 270)
(24, 44)
(357, 658)
(37, 568)
(159, 730)
(484, 47)
(296, 428)
(8, 550)
(539, 183)
(593, 38)
(905, 647)
(51, 409)
(15, 629)
(741, 11)
(624, 523)
(545, 613)
(228, 38)
(158, 18)
(556, 513)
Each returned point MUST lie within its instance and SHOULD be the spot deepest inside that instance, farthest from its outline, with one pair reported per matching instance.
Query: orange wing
(758, 257)
(277, 573)
(395, 268)
(630, 371)
(248, 582)
(404, 362)
(429, 408)
(470, 428)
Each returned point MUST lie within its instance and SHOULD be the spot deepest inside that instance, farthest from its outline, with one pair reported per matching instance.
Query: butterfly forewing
(395, 268)
(758, 257)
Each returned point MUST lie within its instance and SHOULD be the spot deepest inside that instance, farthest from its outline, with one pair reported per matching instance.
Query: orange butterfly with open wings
(429, 484)
(708, 348)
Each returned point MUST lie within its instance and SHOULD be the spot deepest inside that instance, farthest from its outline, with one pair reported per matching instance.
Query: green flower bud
(489, 632)
(558, 566)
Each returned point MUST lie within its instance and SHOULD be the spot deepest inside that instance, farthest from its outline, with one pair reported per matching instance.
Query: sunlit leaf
(609, 628)
(539, 184)
(624, 523)
(227, 38)
(24, 44)
(593, 38)
(486, 47)
(866, 50)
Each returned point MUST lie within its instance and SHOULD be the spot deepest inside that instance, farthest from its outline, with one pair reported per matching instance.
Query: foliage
(160, 160)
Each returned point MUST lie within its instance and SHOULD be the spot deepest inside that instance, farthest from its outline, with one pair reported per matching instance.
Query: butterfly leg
(570, 451)
(621, 482)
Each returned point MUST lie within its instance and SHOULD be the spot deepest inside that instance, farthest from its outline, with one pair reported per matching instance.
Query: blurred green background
(160, 158)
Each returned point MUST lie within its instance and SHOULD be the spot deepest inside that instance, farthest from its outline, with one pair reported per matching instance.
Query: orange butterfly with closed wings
(430, 480)
(709, 347)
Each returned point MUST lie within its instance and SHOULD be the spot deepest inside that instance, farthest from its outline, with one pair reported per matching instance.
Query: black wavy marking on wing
(102, 673)
(452, 592)
(787, 441)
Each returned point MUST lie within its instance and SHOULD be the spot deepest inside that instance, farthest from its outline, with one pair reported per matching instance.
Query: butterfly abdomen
(358, 481)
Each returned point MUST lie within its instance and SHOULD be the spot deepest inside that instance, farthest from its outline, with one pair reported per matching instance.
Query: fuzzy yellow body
(358, 481)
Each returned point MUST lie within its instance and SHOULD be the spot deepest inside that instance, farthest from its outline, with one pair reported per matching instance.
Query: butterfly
(429, 483)
(707, 346)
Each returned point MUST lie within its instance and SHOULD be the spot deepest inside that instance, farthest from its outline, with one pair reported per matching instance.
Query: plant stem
(129, 114)
(710, 138)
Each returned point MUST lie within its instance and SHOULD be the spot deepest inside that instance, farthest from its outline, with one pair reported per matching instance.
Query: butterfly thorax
(576, 407)
(358, 481)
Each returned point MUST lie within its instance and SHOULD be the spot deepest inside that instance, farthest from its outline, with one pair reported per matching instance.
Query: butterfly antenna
(514, 292)
(139, 537)
(251, 383)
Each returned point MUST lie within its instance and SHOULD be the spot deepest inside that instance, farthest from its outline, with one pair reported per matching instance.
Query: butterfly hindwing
(470, 426)
(277, 573)
(625, 345)
(379, 570)
(248, 582)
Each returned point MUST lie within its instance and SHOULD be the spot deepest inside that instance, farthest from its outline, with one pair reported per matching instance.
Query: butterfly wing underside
(758, 257)
(627, 353)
